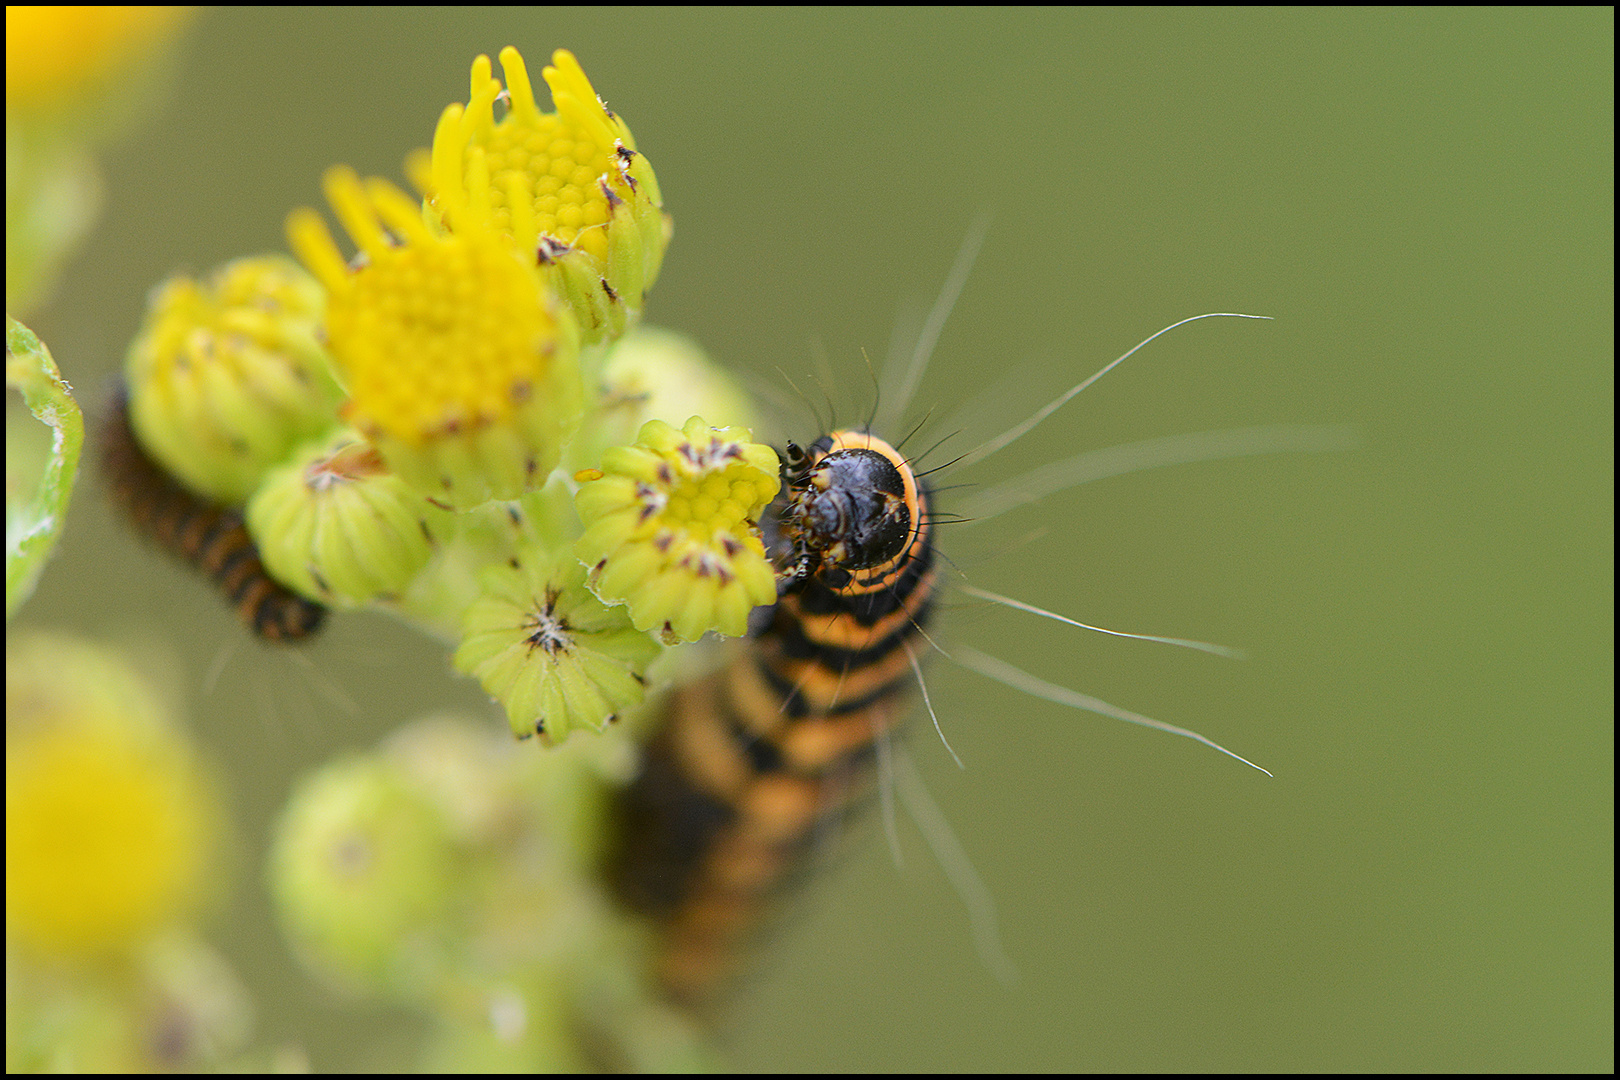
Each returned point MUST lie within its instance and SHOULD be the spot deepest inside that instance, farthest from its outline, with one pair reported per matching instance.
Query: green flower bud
(650, 373)
(338, 527)
(365, 878)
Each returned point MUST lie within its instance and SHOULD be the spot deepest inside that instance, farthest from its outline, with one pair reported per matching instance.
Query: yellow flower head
(56, 56)
(227, 377)
(459, 366)
(111, 821)
(670, 528)
(567, 188)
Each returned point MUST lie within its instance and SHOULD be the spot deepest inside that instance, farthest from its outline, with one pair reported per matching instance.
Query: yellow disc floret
(670, 528)
(459, 366)
(567, 188)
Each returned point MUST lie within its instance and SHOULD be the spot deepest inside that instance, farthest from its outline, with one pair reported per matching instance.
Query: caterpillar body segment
(211, 537)
(755, 761)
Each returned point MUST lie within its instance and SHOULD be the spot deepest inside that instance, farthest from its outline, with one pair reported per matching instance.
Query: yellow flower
(460, 368)
(110, 819)
(59, 55)
(74, 77)
(567, 188)
(670, 528)
(226, 377)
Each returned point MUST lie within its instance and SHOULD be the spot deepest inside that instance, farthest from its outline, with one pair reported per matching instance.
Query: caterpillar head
(851, 514)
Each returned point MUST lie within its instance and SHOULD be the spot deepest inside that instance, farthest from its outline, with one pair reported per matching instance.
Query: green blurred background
(1422, 199)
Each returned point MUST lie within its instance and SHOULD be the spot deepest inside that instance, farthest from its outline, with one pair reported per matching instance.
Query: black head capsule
(853, 511)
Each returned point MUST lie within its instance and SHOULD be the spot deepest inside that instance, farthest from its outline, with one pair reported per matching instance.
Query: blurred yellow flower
(57, 55)
(110, 820)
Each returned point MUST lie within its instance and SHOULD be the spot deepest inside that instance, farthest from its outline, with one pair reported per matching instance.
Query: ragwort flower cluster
(392, 421)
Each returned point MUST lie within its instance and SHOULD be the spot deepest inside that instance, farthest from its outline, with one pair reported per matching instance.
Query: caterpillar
(755, 760)
(210, 537)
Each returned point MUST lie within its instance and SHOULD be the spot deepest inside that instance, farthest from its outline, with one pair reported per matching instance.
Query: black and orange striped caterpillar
(755, 760)
(210, 537)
